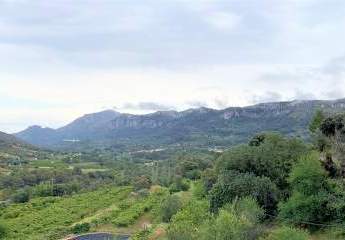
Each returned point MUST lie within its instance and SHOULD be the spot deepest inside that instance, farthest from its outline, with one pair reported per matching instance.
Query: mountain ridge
(221, 127)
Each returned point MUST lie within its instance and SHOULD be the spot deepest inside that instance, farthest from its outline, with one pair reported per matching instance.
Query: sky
(60, 59)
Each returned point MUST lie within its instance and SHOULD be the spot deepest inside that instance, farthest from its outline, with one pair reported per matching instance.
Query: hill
(194, 127)
(13, 149)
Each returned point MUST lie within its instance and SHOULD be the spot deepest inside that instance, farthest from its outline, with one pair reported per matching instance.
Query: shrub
(226, 226)
(237, 220)
(2, 232)
(178, 185)
(270, 155)
(184, 225)
(287, 233)
(21, 196)
(249, 208)
(199, 191)
(232, 185)
(170, 207)
(81, 228)
(311, 193)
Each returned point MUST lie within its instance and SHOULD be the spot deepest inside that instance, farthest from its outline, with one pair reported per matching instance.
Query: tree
(141, 182)
(179, 184)
(334, 129)
(170, 207)
(232, 185)
(311, 193)
(272, 156)
(316, 122)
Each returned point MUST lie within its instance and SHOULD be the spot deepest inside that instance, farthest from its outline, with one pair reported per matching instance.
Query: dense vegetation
(272, 188)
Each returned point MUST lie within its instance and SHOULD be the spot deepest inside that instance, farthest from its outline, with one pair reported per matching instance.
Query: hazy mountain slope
(196, 127)
(12, 148)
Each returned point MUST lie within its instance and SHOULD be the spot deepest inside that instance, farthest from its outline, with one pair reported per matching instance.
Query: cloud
(146, 106)
(196, 104)
(304, 95)
(159, 56)
(268, 96)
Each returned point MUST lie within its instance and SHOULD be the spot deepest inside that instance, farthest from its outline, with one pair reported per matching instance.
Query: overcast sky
(60, 59)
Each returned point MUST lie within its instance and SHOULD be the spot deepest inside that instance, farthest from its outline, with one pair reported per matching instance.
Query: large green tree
(311, 193)
(233, 184)
(270, 155)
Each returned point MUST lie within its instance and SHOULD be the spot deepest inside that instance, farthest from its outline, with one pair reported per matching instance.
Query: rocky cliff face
(193, 126)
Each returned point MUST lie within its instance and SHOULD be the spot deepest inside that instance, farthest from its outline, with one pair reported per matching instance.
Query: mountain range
(194, 127)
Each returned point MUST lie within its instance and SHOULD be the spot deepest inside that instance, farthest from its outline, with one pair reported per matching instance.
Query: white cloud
(77, 57)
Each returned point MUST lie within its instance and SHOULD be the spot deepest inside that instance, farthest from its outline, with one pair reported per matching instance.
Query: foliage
(311, 193)
(238, 220)
(316, 121)
(179, 184)
(227, 226)
(21, 196)
(272, 158)
(249, 208)
(129, 214)
(232, 185)
(198, 190)
(184, 225)
(209, 178)
(170, 207)
(81, 228)
(141, 182)
(2, 231)
(289, 233)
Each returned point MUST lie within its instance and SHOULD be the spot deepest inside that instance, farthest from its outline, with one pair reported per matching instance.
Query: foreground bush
(185, 224)
(238, 221)
(170, 207)
(81, 228)
(232, 185)
(2, 232)
(311, 193)
(287, 233)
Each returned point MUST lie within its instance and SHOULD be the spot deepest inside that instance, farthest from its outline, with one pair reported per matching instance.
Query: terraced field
(55, 217)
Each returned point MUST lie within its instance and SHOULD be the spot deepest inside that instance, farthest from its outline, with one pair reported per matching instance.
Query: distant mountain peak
(227, 126)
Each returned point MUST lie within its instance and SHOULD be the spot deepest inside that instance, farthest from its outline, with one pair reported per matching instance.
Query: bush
(199, 191)
(232, 185)
(21, 197)
(2, 232)
(170, 207)
(179, 185)
(184, 225)
(249, 208)
(270, 155)
(81, 228)
(287, 233)
(311, 193)
(226, 226)
(238, 220)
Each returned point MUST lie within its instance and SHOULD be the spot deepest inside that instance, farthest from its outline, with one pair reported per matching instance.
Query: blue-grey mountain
(199, 127)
